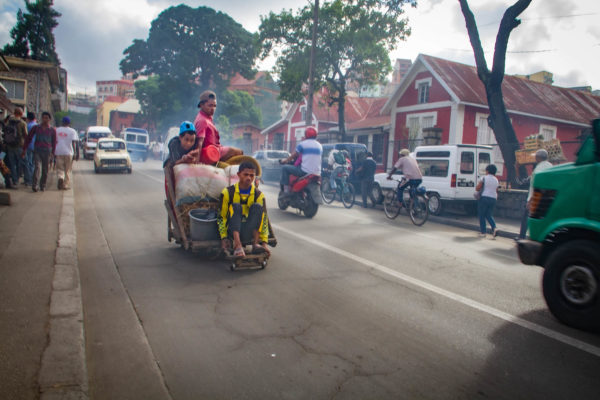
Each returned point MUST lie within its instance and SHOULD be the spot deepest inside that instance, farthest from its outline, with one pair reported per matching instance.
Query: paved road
(352, 305)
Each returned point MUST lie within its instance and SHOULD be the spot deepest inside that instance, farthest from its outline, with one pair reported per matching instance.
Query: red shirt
(205, 129)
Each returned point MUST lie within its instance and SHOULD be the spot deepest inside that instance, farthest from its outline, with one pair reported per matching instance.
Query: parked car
(357, 151)
(450, 173)
(112, 155)
(269, 163)
(92, 135)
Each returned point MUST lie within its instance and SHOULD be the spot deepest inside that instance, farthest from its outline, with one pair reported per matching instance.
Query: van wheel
(435, 203)
(571, 284)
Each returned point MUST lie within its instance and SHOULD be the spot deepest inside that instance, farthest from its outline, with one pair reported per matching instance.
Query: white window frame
(299, 134)
(14, 99)
(497, 154)
(551, 128)
(420, 116)
(418, 83)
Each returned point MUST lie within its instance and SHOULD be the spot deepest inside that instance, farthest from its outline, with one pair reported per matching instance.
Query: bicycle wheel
(348, 195)
(391, 207)
(419, 210)
(327, 193)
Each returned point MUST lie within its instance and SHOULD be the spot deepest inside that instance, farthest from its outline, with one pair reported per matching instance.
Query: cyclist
(337, 163)
(410, 169)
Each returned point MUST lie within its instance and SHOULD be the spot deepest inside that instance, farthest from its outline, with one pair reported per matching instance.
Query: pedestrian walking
(43, 150)
(27, 162)
(15, 134)
(66, 143)
(488, 188)
(542, 163)
(366, 173)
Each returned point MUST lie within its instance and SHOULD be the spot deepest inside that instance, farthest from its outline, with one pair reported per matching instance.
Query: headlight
(540, 202)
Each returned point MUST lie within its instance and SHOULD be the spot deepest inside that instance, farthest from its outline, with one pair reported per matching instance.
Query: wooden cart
(178, 229)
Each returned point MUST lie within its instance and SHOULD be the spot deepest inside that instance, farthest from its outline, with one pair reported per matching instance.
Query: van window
(484, 161)
(431, 154)
(141, 139)
(437, 168)
(97, 135)
(467, 162)
(130, 137)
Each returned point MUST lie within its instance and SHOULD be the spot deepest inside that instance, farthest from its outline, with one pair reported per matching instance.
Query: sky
(559, 36)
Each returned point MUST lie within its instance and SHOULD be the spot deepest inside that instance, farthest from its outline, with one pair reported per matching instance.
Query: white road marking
(588, 348)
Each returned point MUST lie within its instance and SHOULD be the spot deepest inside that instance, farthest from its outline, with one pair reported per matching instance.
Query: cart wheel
(263, 264)
(232, 267)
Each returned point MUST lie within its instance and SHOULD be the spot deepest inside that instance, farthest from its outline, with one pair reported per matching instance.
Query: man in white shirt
(541, 158)
(66, 141)
(310, 150)
(410, 170)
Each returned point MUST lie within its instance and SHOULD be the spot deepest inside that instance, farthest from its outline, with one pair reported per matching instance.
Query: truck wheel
(435, 203)
(571, 284)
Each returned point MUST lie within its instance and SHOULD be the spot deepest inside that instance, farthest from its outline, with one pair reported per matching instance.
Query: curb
(63, 373)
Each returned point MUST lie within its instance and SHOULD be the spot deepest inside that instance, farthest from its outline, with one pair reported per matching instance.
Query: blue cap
(66, 120)
(186, 126)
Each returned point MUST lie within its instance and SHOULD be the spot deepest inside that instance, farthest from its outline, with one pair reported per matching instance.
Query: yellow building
(103, 111)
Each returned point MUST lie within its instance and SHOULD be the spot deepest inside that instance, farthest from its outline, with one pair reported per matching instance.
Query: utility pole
(311, 69)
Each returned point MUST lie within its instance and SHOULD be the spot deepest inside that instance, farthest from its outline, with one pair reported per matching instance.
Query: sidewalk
(41, 317)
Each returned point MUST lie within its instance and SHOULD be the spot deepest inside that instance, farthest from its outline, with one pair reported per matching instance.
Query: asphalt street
(352, 305)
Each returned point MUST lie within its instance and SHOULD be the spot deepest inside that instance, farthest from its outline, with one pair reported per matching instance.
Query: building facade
(119, 88)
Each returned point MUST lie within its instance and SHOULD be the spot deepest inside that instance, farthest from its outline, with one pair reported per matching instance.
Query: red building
(438, 93)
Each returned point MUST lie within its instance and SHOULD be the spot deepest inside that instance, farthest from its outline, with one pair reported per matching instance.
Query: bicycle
(343, 188)
(418, 208)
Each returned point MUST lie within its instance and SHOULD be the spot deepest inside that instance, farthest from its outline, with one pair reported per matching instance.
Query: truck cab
(564, 229)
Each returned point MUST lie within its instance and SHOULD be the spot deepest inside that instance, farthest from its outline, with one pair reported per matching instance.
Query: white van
(92, 134)
(450, 173)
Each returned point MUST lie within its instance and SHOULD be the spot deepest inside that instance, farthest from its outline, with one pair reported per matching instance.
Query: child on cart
(243, 215)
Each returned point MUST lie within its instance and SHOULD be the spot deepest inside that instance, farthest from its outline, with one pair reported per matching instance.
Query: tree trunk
(342, 110)
(311, 69)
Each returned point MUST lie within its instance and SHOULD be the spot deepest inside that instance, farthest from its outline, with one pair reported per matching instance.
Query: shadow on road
(528, 365)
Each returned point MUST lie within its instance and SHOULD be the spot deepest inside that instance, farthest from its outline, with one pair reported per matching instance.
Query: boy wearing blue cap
(66, 143)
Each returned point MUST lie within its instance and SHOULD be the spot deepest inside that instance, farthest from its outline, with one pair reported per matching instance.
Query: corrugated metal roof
(520, 95)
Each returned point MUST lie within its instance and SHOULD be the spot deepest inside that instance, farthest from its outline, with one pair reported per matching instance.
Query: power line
(547, 17)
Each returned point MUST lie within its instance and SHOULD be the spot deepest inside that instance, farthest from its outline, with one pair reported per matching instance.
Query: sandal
(258, 249)
(239, 253)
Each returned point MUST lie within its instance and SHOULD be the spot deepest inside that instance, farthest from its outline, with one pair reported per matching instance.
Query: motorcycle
(305, 194)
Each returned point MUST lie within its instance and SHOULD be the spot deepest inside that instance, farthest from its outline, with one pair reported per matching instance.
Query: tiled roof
(520, 95)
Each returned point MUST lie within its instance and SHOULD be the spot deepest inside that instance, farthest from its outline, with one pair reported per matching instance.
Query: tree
(189, 50)
(354, 46)
(239, 108)
(159, 105)
(498, 119)
(32, 34)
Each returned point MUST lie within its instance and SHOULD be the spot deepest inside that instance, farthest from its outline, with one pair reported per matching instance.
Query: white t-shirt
(490, 186)
(311, 151)
(65, 137)
(540, 167)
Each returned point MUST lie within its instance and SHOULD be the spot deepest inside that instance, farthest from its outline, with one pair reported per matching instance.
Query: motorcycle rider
(311, 151)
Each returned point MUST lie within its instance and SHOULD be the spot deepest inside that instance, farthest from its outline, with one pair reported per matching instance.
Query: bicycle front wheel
(327, 193)
(348, 195)
(419, 210)
(391, 206)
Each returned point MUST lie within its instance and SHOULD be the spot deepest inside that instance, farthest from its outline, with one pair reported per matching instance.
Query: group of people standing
(31, 147)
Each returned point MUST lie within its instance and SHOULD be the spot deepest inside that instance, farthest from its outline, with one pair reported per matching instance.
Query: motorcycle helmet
(186, 126)
(310, 132)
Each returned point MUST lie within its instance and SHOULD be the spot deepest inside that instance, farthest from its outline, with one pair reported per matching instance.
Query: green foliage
(188, 50)
(239, 108)
(354, 38)
(32, 34)
(79, 121)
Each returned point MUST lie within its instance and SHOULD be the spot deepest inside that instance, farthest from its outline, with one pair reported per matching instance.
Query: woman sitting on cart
(183, 148)
(243, 216)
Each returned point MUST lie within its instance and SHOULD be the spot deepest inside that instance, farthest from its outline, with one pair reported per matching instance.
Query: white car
(111, 155)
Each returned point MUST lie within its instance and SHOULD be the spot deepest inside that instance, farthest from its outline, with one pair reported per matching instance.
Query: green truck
(564, 230)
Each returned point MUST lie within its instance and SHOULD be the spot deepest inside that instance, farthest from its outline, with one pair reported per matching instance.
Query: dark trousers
(288, 170)
(42, 162)
(245, 226)
(485, 209)
(13, 162)
(414, 183)
(366, 188)
(524, 218)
